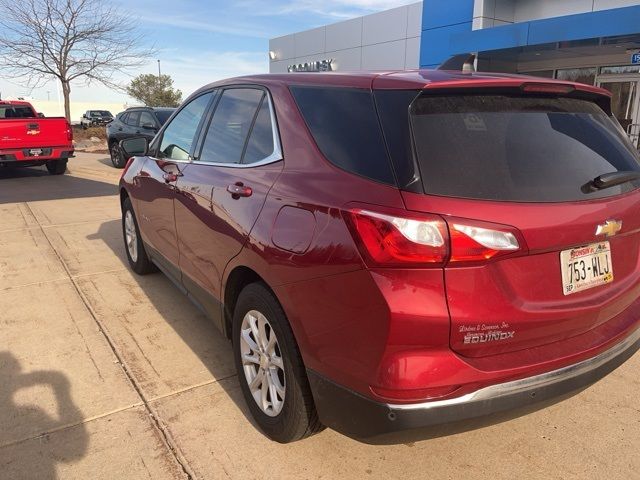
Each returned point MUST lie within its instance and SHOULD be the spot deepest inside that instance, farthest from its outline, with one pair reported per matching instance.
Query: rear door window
(260, 144)
(525, 149)
(344, 125)
(230, 126)
(146, 119)
(133, 118)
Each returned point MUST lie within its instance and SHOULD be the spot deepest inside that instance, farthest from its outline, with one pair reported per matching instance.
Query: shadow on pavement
(33, 184)
(107, 161)
(37, 458)
(194, 328)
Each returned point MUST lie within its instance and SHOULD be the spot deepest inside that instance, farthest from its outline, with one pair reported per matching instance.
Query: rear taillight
(428, 240)
(69, 132)
(390, 240)
(472, 244)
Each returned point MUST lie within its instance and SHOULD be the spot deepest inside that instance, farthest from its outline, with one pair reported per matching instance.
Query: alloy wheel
(262, 363)
(115, 154)
(131, 236)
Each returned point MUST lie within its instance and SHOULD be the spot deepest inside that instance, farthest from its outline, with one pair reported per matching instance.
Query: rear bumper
(364, 419)
(20, 157)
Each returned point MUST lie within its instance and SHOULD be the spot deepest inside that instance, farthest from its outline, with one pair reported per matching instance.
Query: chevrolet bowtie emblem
(609, 228)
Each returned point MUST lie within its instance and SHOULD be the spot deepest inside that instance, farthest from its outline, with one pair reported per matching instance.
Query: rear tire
(117, 158)
(57, 167)
(133, 245)
(265, 350)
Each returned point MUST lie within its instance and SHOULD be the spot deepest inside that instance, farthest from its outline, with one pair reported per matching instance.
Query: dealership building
(590, 41)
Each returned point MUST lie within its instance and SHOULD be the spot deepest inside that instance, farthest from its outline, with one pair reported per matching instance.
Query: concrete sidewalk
(104, 374)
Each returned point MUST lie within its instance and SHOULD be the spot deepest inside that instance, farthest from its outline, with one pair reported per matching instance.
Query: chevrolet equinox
(395, 251)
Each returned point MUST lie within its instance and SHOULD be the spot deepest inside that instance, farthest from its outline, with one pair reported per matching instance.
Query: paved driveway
(104, 374)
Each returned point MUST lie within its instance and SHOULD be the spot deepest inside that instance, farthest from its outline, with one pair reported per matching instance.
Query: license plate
(35, 152)
(586, 267)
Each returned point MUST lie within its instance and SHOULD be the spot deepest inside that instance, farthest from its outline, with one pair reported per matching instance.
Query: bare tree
(69, 40)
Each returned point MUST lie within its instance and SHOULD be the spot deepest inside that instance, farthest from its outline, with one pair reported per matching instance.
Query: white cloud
(233, 28)
(191, 73)
(338, 9)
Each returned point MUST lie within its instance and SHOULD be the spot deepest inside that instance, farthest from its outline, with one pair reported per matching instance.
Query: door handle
(238, 190)
(171, 177)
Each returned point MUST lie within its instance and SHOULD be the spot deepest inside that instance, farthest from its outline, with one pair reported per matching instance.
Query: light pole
(158, 68)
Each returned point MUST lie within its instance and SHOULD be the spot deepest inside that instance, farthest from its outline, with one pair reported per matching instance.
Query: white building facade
(389, 39)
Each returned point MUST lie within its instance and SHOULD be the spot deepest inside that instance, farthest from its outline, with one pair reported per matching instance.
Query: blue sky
(199, 42)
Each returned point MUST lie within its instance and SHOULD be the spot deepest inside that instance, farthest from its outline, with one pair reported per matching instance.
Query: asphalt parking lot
(104, 374)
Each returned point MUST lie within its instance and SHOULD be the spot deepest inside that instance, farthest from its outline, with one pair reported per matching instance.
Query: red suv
(389, 252)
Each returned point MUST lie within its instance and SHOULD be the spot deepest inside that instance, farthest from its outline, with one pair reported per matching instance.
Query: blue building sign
(448, 29)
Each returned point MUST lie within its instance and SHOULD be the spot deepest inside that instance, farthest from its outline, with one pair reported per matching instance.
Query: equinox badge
(609, 228)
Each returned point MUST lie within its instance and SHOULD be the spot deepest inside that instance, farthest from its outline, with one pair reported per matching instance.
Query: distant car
(95, 118)
(29, 140)
(397, 251)
(134, 122)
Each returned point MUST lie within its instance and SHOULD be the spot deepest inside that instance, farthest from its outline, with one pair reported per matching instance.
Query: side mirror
(135, 147)
(149, 126)
(40, 115)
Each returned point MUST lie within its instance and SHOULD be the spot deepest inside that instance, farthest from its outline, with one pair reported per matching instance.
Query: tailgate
(527, 165)
(520, 302)
(33, 133)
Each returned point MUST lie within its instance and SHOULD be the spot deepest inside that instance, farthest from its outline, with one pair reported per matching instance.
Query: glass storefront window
(620, 70)
(539, 73)
(580, 75)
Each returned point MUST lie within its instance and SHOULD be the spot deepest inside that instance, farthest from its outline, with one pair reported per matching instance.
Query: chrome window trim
(275, 156)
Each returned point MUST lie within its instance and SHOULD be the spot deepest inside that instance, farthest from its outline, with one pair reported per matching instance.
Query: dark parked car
(95, 118)
(134, 122)
(396, 251)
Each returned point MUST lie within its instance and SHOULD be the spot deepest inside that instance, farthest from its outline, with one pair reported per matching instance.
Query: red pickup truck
(28, 140)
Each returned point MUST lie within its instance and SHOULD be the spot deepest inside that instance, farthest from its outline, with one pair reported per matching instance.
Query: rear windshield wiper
(609, 180)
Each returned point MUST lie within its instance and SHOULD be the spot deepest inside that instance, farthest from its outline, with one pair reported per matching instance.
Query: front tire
(57, 167)
(117, 158)
(136, 254)
(270, 369)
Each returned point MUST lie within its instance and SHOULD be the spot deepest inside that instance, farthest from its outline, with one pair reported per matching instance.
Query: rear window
(15, 111)
(526, 149)
(344, 124)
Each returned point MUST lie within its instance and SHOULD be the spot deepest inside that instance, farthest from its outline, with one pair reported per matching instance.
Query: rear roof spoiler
(463, 62)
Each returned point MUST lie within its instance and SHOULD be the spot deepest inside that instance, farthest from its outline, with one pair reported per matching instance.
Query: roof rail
(463, 62)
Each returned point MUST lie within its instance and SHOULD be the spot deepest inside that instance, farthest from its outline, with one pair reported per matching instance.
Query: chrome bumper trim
(524, 385)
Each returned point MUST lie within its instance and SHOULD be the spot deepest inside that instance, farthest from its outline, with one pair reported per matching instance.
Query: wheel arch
(123, 196)
(237, 280)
